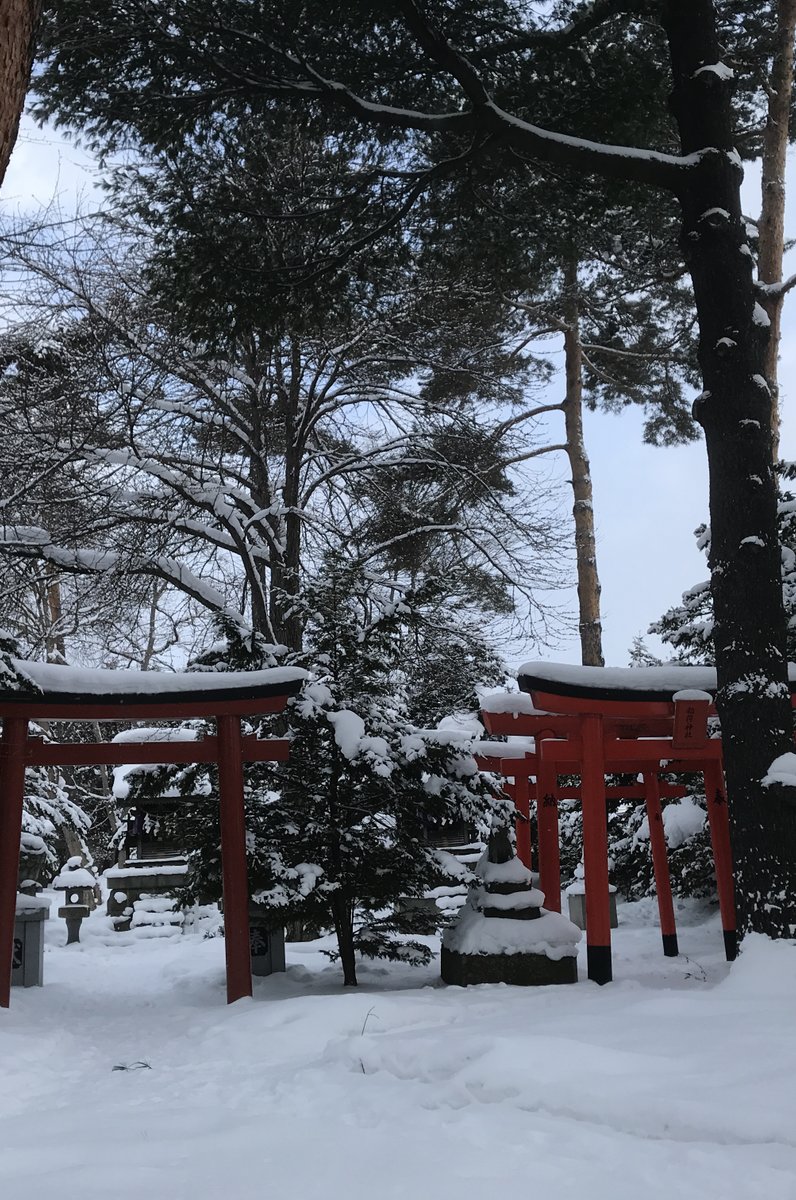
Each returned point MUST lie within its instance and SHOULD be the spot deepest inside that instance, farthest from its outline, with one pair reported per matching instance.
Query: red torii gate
(592, 721)
(67, 694)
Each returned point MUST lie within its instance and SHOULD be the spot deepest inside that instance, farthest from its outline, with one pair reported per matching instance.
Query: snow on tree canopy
(14, 677)
(682, 820)
(121, 773)
(349, 733)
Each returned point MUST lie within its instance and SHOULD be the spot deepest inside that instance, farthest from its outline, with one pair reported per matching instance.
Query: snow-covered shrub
(688, 626)
(51, 824)
(687, 842)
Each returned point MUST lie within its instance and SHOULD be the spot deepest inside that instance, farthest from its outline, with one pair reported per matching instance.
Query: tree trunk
(18, 21)
(105, 783)
(56, 645)
(342, 906)
(285, 575)
(589, 623)
(148, 652)
(735, 412)
(772, 214)
(341, 913)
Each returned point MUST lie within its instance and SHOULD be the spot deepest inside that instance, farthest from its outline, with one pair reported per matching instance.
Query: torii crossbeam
(64, 693)
(592, 721)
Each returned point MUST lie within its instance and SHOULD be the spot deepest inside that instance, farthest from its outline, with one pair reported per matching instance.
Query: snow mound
(69, 877)
(507, 872)
(765, 971)
(507, 702)
(513, 902)
(552, 935)
(782, 770)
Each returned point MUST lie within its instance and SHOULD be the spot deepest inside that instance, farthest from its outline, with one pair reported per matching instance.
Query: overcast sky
(647, 501)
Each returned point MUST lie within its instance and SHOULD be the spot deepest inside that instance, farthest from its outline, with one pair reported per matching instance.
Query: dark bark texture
(18, 21)
(735, 413)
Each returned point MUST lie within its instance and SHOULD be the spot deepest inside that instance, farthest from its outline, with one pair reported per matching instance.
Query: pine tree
(341, 835)
(688, 626)
(53, 825)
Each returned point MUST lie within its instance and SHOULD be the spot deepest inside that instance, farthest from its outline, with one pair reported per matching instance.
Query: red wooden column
(233, 859)
(547, 823)
(595, 850)
(523, 822)
(660, 864)
(722, 854)
(12, 790)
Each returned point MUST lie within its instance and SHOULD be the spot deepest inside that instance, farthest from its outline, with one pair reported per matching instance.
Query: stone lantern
(79, 887)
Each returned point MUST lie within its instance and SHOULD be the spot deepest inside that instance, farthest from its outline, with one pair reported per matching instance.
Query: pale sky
(647, 501)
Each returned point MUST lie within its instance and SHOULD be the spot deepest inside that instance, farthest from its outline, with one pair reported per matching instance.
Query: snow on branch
(592, 16)
(29, 541)
(485, 116)
(773, 291)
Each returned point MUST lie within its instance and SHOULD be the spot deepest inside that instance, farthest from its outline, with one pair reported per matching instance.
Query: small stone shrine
(576, 897)
(266, 941)
(502, 934)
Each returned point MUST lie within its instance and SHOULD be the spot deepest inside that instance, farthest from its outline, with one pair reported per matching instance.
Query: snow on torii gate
(67, 694)
(593, 721)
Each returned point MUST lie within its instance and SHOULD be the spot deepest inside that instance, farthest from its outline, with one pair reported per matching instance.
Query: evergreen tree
(221, 452)
(688, 626)
(53, 825)
(341, 835)
(51, 820)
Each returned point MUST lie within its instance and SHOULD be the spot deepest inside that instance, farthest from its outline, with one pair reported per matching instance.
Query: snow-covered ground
(679, 1080)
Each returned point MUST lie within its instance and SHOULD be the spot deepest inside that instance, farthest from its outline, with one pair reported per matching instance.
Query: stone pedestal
(27, 968)
(523, 970)
(74, 915)
(576, 903)
(266, 943)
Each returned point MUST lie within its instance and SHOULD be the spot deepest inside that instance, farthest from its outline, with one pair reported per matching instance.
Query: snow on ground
(677, 1080)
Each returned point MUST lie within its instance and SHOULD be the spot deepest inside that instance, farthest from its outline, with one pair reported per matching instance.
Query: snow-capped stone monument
(80, 889)
(502, 934)
(576, 897)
